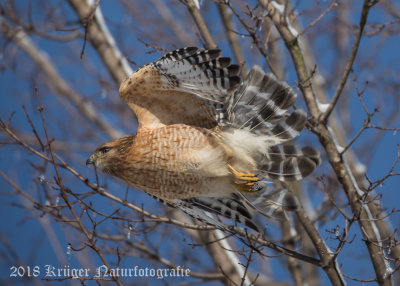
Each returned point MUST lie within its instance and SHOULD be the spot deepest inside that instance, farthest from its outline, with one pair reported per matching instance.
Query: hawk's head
(110, 153)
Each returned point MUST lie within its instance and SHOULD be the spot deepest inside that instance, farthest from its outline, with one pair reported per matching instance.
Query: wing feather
(186, 86)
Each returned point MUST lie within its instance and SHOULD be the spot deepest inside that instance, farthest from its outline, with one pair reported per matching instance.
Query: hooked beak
(90, 161)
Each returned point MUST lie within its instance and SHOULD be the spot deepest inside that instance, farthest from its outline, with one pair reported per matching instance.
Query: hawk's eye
(104, 150)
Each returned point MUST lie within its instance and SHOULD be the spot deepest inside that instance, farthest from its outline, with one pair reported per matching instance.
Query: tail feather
(286, 162)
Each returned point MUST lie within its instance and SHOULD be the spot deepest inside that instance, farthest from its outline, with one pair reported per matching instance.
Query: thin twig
(368, 4)
(200, 23)
(232, 38)
(65, 198)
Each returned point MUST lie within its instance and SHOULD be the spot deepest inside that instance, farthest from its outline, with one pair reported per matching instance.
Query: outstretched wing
(228, 207)
(187, 86)
(203, 208)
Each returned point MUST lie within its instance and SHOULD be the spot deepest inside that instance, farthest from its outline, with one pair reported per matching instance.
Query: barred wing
(187, 86)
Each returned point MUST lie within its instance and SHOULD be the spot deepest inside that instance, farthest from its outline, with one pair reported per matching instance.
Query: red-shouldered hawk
(208, 141)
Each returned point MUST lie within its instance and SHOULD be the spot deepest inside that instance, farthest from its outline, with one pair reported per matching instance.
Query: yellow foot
(247, 177)
(244, 187)
(244, 181)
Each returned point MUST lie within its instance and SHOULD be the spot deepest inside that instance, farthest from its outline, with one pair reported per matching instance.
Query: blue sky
(28, 236)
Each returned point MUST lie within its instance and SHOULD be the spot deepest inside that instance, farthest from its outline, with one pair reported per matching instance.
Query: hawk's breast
(177, 161)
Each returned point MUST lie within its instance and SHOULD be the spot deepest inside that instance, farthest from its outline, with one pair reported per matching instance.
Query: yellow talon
(244, 181)
(248, 177)
(244, 188)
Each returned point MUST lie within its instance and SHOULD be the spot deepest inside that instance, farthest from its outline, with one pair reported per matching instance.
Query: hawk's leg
(245, 181)
(248, 177)
(244, 187)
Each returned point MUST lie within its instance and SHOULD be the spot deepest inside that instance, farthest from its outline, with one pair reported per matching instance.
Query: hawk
(209, 142)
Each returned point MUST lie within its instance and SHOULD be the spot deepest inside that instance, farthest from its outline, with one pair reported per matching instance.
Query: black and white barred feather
(260, 105)
(203, 73)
